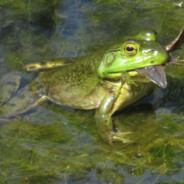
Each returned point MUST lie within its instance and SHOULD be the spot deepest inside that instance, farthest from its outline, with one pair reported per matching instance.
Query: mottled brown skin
(68, 88)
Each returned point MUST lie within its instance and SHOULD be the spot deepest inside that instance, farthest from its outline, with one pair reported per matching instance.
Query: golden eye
(130, 49)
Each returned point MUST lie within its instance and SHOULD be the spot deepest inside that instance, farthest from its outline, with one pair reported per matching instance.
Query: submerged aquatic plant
(57, 151)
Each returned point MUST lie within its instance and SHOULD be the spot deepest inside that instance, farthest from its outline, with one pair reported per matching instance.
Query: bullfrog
(106, 81)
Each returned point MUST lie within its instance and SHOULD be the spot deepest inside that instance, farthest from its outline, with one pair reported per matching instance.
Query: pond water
(56, 145)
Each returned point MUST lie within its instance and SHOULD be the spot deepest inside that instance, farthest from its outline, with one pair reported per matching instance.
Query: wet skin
(107, 81)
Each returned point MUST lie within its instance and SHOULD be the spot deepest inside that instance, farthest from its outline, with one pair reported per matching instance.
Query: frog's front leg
(104, 122)
(103, 115)
(103, 118)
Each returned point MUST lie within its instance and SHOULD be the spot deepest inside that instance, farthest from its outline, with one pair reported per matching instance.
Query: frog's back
(76, 85)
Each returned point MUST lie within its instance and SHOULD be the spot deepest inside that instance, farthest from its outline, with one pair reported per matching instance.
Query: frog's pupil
(129, 48)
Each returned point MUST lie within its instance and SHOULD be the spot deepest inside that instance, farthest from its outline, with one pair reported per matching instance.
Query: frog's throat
(155, 74)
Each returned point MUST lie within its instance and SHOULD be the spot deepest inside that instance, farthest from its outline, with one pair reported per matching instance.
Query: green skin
(106, 81)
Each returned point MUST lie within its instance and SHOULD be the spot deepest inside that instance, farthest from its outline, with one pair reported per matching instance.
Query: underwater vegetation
(55, 145)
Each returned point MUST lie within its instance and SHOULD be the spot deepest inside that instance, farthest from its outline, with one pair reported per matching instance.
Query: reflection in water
(53, 144)
(70, 32)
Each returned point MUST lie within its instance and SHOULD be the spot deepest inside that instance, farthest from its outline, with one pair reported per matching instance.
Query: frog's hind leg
(48, 64)
(21, 103)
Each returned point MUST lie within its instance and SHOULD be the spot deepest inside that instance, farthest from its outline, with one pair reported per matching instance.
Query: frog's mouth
(156, 74)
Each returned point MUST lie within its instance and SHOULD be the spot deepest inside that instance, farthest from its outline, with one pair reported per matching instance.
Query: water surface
(55, 145)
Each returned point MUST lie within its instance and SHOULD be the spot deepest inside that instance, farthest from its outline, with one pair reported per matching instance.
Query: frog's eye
(130, 49)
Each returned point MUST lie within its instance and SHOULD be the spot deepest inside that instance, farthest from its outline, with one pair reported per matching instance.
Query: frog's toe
(180, 62)
(176, 61)
(121, 137)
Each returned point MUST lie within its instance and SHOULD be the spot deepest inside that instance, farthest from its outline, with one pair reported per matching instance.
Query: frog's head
(141, 53)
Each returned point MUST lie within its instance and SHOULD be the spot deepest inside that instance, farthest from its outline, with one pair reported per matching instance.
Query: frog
(106, 82)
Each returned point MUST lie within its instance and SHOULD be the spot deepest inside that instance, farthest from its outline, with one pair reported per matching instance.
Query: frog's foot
(127, 78)
(131, 82)
(121, 137)
(176, 61)
(105, 129)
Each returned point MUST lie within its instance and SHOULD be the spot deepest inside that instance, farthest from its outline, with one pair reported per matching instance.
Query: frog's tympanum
(107, 81)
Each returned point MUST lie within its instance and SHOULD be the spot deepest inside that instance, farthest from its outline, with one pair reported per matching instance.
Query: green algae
(70, 151)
